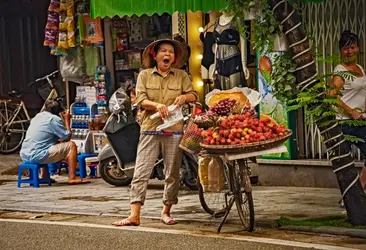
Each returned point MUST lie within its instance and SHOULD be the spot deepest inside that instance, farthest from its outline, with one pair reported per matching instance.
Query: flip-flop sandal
(124, 223)
(167, 220)
(78, 183)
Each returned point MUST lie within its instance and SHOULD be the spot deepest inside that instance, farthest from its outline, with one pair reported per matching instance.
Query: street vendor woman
(159, 85)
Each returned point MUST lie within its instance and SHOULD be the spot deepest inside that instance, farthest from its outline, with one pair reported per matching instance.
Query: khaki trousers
(148, 152)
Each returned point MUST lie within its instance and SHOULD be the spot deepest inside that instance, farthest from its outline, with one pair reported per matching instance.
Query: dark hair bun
(348, 33)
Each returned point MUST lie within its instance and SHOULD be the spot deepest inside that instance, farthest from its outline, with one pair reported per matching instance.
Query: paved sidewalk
(100, 198)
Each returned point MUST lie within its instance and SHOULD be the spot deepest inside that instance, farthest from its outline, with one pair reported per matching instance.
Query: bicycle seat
(15, 94)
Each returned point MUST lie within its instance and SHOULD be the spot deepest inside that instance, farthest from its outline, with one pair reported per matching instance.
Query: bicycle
(237, 189)
(14, 116)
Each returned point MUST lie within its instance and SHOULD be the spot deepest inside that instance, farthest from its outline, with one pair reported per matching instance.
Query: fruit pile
(223, 107)
(242, 129)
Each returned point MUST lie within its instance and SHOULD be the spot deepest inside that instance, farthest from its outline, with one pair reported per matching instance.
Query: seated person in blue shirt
(48, 140)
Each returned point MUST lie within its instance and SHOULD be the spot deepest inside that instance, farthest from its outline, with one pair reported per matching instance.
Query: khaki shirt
(157, 88)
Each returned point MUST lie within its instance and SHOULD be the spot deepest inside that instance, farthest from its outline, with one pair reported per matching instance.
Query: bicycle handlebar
(44, 78)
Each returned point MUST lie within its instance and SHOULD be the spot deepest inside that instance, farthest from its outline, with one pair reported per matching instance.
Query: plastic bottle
(214, 175)
(203, 172)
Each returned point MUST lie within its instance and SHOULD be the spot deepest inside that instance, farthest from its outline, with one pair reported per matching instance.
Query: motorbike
(117, 157)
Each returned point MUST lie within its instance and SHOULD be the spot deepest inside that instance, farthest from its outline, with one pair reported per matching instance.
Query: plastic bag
(215, 175)
(175, 116)
(120, 102)
(203, 163)
(71, 65)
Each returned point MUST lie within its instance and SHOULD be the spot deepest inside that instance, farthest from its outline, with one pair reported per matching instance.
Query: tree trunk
(342, 161)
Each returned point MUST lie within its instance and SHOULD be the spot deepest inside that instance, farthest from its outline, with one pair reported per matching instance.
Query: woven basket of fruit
(191, 139)
(248, 147)
(243, 133)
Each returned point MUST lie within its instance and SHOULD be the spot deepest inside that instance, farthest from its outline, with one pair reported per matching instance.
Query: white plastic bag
(175, 116)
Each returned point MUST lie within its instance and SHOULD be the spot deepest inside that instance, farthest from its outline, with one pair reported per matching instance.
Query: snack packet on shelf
(63, 5)
(62, 40)
(52, 20)
(50, 37)
(54, 6)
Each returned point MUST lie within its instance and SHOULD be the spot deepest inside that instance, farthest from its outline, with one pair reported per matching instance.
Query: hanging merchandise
(122, 41)
(91, 57)
(82, 7)
(102, 83)
(61, 31)
(91, 30)
(119, 31)
(135, 29)
(70, 24)
(66, 36)
(51, 30)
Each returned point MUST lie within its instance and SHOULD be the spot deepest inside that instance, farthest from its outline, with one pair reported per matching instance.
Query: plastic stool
(55, 168)
(33, 174)
(82, 166)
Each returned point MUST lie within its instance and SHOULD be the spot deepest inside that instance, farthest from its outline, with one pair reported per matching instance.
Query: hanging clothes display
(208, 59)
(228, 57)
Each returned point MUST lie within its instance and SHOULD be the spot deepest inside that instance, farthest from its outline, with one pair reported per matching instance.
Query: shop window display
(130, 36)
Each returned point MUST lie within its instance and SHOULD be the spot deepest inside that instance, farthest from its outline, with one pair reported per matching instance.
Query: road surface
(16, 234)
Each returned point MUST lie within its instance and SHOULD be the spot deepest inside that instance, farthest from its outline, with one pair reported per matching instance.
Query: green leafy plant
(283, 79)
(237, 8)
(265, 26)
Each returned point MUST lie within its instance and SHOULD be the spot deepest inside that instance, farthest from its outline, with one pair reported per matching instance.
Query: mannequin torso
(229, 59)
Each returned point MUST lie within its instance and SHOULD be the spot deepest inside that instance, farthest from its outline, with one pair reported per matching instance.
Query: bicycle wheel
(243, 194)
(11, 137)
(214, 203)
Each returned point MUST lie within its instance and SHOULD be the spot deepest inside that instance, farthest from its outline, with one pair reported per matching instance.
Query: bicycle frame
(22, 106)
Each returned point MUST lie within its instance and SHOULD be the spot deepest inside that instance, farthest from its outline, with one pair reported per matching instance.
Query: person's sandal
(167, 220)
(124, 223)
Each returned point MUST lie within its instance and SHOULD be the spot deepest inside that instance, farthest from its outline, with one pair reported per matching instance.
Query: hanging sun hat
(180, 51)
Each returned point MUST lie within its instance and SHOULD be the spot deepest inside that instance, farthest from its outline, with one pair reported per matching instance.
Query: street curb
(358, 233)
(259, 223)
(351, 232)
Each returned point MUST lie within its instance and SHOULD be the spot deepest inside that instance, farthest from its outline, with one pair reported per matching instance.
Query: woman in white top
(351, 91)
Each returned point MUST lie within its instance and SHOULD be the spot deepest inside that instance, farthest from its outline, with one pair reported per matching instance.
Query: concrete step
(297, 173)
